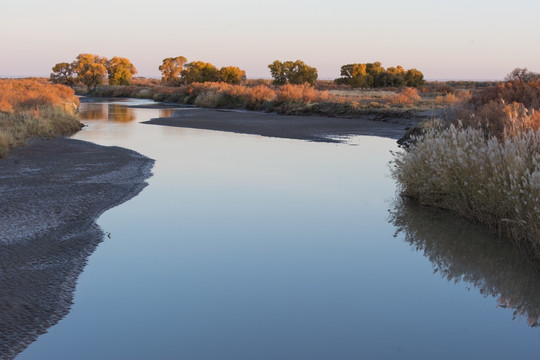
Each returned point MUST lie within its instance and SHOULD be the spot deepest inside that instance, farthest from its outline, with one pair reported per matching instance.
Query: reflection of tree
(165, 112)
(92, 111)
(120, 113)
(462, 251)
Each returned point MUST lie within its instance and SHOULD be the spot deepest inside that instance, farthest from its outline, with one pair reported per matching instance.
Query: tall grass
(485, 165)
(31, 108)
(491, 180)
(284, 99)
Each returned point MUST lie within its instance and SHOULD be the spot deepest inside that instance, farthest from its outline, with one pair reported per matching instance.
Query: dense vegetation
(486, 164)
(293, 72)
(177, 71)
(373, 75)
(90, 70)
(30, 108)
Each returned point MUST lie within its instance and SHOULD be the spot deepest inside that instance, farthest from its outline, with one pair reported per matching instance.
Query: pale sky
(457, 39)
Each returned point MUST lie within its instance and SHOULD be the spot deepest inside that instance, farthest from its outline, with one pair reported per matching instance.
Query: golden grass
(32, 108)
(491, 180)
(262, 95)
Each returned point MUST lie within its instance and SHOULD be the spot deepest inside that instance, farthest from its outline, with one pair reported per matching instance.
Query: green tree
(355, 75)
(171, 69)
(375, 75)
(90, 69)
(414, 78)
(63, 74)
(199, 71)
(121, 70)
(232, 75)
(388, 79)
(296, 72)
(277, 71)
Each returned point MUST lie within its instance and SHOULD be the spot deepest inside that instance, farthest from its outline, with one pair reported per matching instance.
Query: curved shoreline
(51, 193)
(310, 128)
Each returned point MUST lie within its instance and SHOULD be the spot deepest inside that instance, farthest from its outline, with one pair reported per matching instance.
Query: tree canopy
(90, 69)
(522, 75)
(372, 75)
(199, 71)
(293, 72)
(63, 74)
(120, 70)
(232, 75)
(171, 69)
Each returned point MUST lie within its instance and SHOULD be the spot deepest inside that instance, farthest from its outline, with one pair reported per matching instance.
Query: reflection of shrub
(461, 251)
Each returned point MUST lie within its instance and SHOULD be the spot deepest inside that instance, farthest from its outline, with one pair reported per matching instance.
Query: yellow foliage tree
(171, 69)
(199, 71)
(90, 69)
(63, 74)
(121, 70)
(232, 75)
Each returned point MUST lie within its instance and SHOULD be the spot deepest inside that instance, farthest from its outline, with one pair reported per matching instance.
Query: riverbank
(311, 128)
(33, 108)
(52, 193)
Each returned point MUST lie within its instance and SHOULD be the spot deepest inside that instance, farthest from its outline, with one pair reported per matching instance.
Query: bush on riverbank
(485, 165)
(491, 180)
(284, 99)
(30, 108)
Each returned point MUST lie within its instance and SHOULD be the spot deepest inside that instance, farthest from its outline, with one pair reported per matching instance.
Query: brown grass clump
(499, 119)
(486, 165)
(493, 181)
(31, 108)
(407, 97)
(526, 93)
(258, 95)
(301, 93)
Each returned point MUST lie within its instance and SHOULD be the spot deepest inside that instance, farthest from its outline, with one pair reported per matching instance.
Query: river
(249, 247)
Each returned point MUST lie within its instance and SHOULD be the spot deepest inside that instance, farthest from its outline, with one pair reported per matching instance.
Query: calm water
(245, 247)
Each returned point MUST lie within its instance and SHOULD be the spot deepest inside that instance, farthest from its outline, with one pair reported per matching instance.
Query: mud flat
(51, 193)
(311, 128)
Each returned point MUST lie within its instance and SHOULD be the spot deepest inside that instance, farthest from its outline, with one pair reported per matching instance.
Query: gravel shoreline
(51, 193)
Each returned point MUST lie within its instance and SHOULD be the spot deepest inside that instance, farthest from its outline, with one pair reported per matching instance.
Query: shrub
(30, 108)
(209, 100)
(407, 97)
(527, 93)
(494, 181)
(257, 95)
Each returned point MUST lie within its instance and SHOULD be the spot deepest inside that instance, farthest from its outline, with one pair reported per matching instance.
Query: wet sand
(51, 193)
(311, 128)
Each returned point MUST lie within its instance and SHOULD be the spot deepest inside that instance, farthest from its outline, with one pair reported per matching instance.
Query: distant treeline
(374, 75)
(91, 70)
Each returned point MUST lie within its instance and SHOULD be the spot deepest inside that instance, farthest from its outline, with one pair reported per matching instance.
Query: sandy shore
(51, 193)
(311, 128)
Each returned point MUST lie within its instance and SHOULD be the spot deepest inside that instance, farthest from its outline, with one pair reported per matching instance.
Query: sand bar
(311, 128)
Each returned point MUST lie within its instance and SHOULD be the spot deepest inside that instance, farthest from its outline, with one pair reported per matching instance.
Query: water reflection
(113, 112)
(464, 252)
(38, 284)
